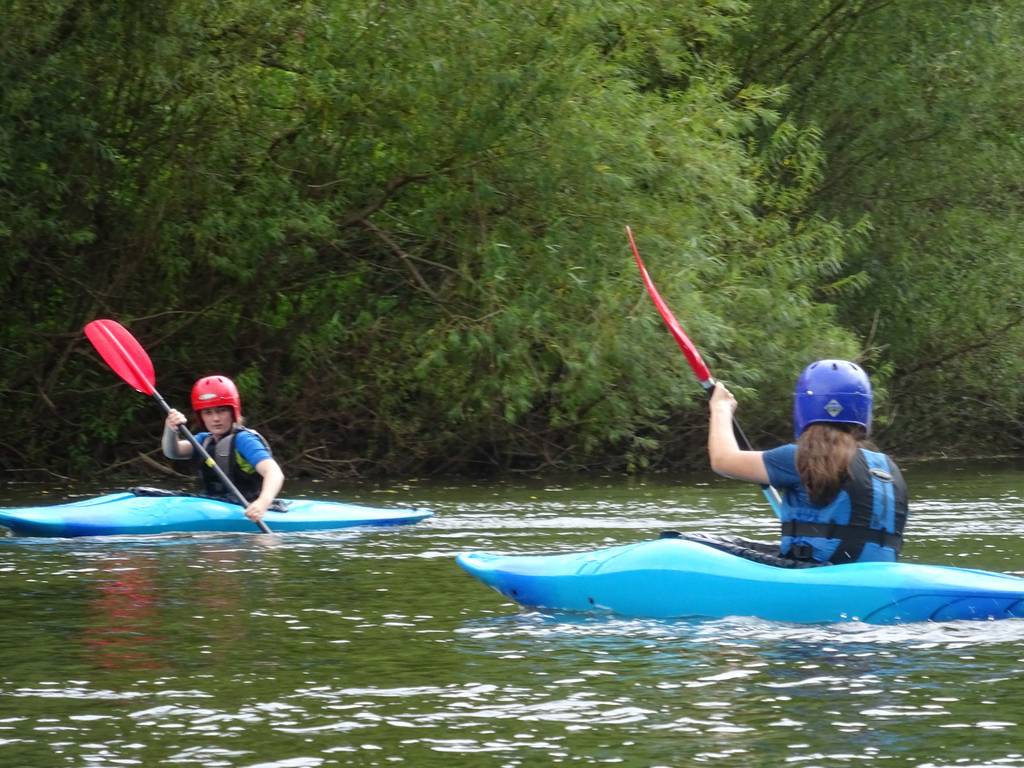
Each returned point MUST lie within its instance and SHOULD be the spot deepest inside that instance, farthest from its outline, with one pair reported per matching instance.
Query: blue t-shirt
(781, 466)
(248, 445)
(780, 463)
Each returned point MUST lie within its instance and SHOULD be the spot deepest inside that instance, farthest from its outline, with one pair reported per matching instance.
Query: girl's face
(218, 420)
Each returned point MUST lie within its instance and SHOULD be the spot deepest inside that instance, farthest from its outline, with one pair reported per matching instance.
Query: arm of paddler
(727, 458)
(273, 480)
(173, 446)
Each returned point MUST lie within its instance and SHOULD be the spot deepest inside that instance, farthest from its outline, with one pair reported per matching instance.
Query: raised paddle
(697, 364)
(129, 360)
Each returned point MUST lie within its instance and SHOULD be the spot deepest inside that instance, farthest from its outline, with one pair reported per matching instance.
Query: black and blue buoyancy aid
(232, 463)
(864, 522)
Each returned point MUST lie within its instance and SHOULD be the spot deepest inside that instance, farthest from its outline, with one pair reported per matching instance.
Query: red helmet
(216, 391)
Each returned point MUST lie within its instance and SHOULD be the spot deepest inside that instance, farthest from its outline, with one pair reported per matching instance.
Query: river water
(371, 648)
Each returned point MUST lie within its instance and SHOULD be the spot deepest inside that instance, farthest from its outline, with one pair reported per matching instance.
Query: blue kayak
(676, 577)
(128, 513)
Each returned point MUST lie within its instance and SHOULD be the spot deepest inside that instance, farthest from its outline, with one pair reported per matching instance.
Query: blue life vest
(864, 522)
(232, 463)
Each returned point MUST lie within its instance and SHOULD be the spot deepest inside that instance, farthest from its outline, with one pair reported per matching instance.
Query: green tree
(399, 227)
(920, 111)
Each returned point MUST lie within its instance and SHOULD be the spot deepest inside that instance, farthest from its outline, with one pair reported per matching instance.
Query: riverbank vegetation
(399, 226)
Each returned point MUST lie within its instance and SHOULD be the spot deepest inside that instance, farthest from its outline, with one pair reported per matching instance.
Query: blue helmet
(832, 391)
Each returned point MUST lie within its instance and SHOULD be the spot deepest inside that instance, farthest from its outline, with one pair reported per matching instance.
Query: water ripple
(371, 647)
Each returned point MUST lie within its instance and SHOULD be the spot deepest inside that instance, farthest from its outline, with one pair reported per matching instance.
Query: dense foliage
(921, 112)
(399, 226)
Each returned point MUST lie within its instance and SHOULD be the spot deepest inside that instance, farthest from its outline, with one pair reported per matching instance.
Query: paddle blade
(693, 357)
(123, 354)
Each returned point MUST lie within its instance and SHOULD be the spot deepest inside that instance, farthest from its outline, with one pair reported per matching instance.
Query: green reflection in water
(372, 648)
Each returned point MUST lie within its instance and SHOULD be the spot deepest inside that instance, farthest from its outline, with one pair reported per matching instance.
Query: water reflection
(123, 625)
(373, 648)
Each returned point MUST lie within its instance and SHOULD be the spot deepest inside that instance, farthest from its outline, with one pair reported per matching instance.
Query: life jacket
(864, 522)
(243, 474)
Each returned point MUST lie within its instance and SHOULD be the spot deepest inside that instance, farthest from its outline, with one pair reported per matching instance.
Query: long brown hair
(823, 455)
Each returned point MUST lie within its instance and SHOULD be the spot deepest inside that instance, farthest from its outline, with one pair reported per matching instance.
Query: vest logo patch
(833, 408)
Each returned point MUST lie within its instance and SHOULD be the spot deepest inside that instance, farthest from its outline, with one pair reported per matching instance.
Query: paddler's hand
(722, 399)
(174, 420)
(171, 442)
(256, 510)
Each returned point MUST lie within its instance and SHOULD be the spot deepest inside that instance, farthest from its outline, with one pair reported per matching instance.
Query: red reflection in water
(141, 618)
(125, 618)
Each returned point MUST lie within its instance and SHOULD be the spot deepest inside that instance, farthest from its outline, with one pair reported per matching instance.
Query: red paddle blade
(692, 355)
(123, 354)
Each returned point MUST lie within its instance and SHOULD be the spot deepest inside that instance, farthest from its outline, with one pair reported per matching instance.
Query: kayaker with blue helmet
(242, 454)
(842, 501)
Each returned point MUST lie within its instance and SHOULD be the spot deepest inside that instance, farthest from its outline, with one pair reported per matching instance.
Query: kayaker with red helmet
(243, 454)
(842, 501)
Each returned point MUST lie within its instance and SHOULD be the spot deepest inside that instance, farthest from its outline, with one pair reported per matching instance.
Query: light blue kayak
(675, 577)
(127, 513)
